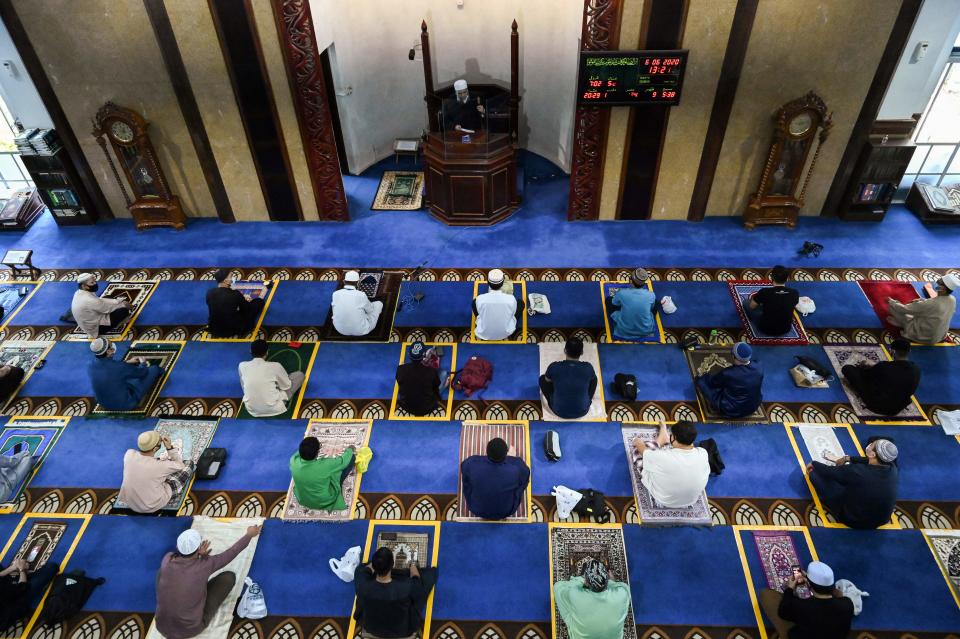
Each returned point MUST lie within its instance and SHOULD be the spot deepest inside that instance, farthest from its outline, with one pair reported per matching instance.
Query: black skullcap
(221, 274)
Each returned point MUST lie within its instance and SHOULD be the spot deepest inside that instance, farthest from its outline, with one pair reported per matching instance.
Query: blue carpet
(351, 370)
(593, 457)
(704, 571)
(493, 571)
(73, 527)
(7, 524)
(699, 305)
(516, 369)
(881, 562)
(940, 374)
(127, 551)
(839, 305)
(662, 371)
(291, 565)
(443, 304)
(803, 552)
(65, 373)
(47, 305)
(300, 304)
(207, 369)
(778, 386)
(258, 454)
(176, 304)
(759, 462)
(927, 458)
(413, 457)
(572, 305)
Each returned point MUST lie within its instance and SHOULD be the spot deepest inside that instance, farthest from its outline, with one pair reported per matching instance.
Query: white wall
(18, 92)
(371, 39)
(913, 83)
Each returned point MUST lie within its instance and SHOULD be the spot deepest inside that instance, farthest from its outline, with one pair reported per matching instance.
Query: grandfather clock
(779, 197)
(152, 203)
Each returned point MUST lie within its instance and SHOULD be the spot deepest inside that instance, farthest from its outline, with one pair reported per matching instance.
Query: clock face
(801, 123)
(121, 132)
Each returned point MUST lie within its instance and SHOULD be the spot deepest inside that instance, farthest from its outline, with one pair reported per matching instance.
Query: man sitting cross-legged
(494, 484)
(318, 481)
(824, 615)
(591, 605)
(674, 470)
(354, 314)
(927, 321)
(389, 605)
(734, 391)
(150, 483)
(119, 385)
(418, 385)
(772, 307)
(569, 385)
(886, 387)
(93, 313)
(21, 590)
(635, 316)
(230, 312)
(267, 388)
(497, 310)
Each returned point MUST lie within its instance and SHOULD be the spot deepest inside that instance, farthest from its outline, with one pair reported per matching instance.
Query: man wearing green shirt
(317, 481)
(591, 606)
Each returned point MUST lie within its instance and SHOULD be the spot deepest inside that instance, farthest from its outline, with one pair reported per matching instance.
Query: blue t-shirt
(493, 490)
(574, 384)
(635, 317)
(119, 385)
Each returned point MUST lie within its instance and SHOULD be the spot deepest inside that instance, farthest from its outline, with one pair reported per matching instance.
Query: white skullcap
(188, 542)
(100, 345)
(886, 450)
(820, 574)
(351, 276)
(148, 440)
(951, 281)
(495, 276)
(460, 85)
(86, 277)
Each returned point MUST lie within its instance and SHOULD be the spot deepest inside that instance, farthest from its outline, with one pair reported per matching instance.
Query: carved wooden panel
(601, 27)
(302, 57)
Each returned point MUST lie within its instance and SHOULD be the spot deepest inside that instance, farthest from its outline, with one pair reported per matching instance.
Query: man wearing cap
(497, 311)
(267, 387)
(824, 615)
(568, 385)
(230, 313)
(860, 491)
(150, 483)
(187, 599)
(462, 111)
(592, 605)
(772, 307)
(886, 388)
(927, 321)
(635, 316)
(354, 314)
(494, 484)
(92, 312)
(418, 385)
(119, 385)
(734, 391)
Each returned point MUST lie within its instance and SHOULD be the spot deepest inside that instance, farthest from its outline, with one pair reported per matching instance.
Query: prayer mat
(399, 191)
(294, 357)
(607, 291)
(740, 292)
(13, 296)
(945, 545)
(650, 512)
(40, 543)
(335, 437)
(162, 354)
(572, 548)
(387, 291)
(474, 437)
(39, 435)
(407, 548)
(819, 441)
(878, 291)
(221, 535)
(519, 290)
(708, 359)
(778, 556)
(137, 293)
(25, 355)
(551, 352)
(370, 283)
(841, 356)
(190, 437)
(255, 289)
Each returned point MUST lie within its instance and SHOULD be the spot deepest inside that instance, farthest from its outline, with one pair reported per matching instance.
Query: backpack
(474, 376)
(592, 505)
(626, 386)
(68, 595)
(713, 456)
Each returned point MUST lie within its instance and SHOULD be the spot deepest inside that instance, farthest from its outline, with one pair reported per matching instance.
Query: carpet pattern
(399, 191)
(39, 436)
(778, 555)
(741, 292)
(878, 292)
(41, 541)
(159, 354)
(946, 549)
(820, 440)
(136, 293)
(841, 356)
(709, 359)
(23, 354)
(474, 437)
(408, 548)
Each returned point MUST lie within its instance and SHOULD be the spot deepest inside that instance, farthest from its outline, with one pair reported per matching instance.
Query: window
(13, 175)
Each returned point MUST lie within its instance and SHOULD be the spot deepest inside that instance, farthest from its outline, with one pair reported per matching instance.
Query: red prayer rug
(778, 556)
(878, 291)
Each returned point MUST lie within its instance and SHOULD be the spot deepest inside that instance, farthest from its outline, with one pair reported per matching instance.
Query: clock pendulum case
(152, 203)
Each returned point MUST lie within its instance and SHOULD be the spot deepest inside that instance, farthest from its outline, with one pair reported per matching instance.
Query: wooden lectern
(471, 180)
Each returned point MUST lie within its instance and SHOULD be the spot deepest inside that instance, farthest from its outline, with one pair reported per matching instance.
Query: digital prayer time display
(627, 78)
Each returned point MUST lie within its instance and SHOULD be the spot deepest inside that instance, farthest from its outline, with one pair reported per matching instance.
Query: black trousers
(118, 316)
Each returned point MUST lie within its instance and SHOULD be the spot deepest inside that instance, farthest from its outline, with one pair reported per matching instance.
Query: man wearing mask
(92, 313)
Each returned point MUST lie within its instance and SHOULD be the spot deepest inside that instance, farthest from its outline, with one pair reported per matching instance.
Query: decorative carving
(302, 57)
(601, 24)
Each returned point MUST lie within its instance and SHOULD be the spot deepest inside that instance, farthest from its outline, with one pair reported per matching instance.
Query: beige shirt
(92, 312)
(144, 489)
(927, 321)
(263, 385)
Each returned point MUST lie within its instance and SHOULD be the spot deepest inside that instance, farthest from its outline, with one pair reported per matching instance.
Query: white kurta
(496, 315)
(264, 384)
(353, 312)
(92, 312)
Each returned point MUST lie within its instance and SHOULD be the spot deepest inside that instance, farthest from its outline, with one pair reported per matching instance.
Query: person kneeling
(318, 481)
(569, 385)
(267, 388)
(825, 615)
(734, 391)
(20, 591)
(418, 385)
(230, 312)
(592, 606)
(149, 483)
(119, 385)
(861, 492)
(494, 484)
(772, 307)
(14, 468)
(388, 606)
(497, 310)
(635, 316)
(353, 312)
(676, 471)
(886, 388)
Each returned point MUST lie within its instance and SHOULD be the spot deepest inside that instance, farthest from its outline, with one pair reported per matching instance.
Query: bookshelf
(879, 169)
(55, 176)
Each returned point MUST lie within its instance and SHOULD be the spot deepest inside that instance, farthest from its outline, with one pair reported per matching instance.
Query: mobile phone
(797, 572)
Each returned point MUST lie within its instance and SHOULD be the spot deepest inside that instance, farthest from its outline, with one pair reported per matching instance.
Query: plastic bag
(252, 603)
(851, 592)
(567, 498)
(346, 565)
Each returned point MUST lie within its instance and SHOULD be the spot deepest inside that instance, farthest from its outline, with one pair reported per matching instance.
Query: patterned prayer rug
(137, 293)
(551, 352)
(162, 354)
(878, 291)
(39, 435)
(294, 357)
(709, 359)
(571, 549)
(407, 548)
(399, 191)
(12, 297)
(819, 441)
(946, 548)
(387, 291)
(334, 438)
(740, 292)
(841, 356)
(256, 290)
(607, 291)
(23, 354)
(778, 556)
(649, 511)
(40, 543)
(474, 437)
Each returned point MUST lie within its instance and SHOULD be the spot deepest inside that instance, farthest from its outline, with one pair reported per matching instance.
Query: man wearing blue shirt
(734, 391)
(119, 385)
(637, 307)
(493, 484)
(569, 385)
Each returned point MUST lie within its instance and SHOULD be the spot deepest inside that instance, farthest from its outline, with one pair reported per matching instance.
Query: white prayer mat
(221, 535)
(819, 441)
(551, 352)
